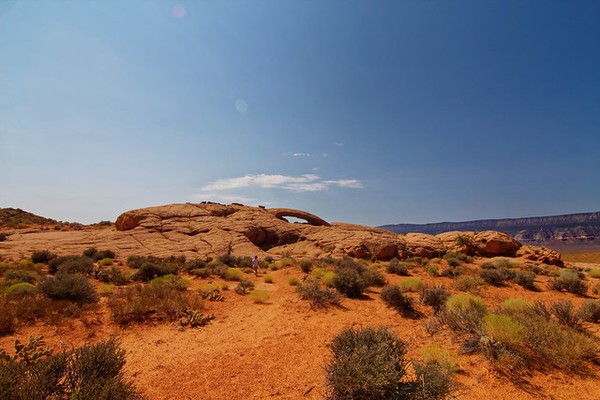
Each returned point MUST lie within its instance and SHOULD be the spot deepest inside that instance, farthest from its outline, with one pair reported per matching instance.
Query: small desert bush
(394, 298)
(106, 289)
(210, 290)
(106, 262)
(327, 278)
(367, 364)
(565, 314)
(244, 286)
(433, 270)
(111, 274)
(3, 236)
(20, 289)
(504, 329)
(13, 276)
(89, 372)
(171, 281)
(42, 256)
(293, 281)
(234, 274)
(397, 268)
(570, 281)
(435, 297)
(268, 278)
(468, 283)
(97, 255)
(458, 256)
(153, 268)
(496, 276)
(515, 306)
(589, 311)
(525, 279)
(464, 312)
(142, 303)
(259, 296)
(596, 288)
(7, 317)
(71, 287)
(351, 278)
(318, 296)
(374, 277)
(306, 266)
(227, 259)
(594, 273)
(439, 355)
(411, 284)
(71, 265)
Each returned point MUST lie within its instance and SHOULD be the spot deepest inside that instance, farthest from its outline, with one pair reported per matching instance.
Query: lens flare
(178, 11)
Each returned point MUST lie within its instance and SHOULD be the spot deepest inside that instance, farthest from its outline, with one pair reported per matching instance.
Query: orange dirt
(279, 349)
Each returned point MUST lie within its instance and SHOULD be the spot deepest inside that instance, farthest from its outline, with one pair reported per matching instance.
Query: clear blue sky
(370, 112)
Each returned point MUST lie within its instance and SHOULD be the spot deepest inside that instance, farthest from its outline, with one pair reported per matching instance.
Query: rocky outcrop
(540, 254)
(210, 229)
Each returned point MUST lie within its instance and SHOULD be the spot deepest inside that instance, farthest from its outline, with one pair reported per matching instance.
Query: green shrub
(113, 274)
(268, 278)
(327, 278)
(293, 281)
(13, 276)
(71, 265)
(394, 298)
(435, 297)
(464, 312)
(152, 268)
(318, 297)
(367, 364)
(433, 371)
(515, 306)
(227, 259)
(234, 274)
(504, 329)
(570, 281)
(468, 283)
(259, 296)
(496, 276)
(42, 256)
(244, 286)
(433, 270)
(525, 279)
(136, 262)
(397, 268)
(72, 287)
(106, 262)
(589, 311)
(99, 255)
(411, 284)
(172, 281)
(458, 256)
(374, 277)
(20, 289)
(350, 281)
(594, 273)
(106, 289)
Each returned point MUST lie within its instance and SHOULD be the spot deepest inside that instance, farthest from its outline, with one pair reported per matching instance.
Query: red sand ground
(279, 349)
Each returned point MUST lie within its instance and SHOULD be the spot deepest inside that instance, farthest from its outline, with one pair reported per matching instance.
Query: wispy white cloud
(225, 189)
(301, 154)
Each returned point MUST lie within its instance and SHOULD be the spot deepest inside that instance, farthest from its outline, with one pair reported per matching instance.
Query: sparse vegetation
(570, 281)
(293, 281)
(411, 284)
(143, 303)
(397, 268)
(393, 297)
(318, 296)
(36, 372)
(244, 286)
(589, 311)
(464, 312)
(435, 297)
(367, 364)
(42, 256)
(72, 287)
(259, 296)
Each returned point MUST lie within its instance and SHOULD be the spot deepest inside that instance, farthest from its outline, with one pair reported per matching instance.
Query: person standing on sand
(255, 265)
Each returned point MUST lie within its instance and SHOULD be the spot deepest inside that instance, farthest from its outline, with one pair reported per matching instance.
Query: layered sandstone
(211, 229)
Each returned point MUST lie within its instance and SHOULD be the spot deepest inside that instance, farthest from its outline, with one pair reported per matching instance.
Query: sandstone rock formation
(211, 229)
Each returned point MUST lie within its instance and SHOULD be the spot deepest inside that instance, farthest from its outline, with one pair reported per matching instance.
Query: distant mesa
(562, 232)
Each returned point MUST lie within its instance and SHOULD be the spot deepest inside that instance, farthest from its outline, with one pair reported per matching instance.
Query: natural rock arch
(281, 213)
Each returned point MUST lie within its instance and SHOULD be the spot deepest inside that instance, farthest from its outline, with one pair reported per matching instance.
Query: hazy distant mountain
(560, 231)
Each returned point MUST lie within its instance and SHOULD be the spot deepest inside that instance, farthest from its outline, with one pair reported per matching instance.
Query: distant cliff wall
(560, 231)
